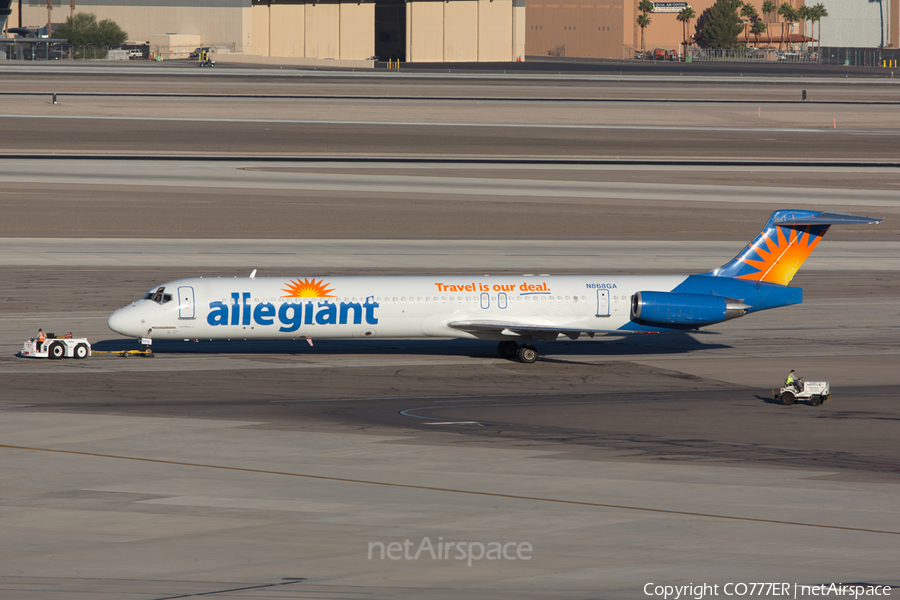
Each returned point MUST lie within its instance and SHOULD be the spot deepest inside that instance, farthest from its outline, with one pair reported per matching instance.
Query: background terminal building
(609, 29)
(414, 30)
(441, 30)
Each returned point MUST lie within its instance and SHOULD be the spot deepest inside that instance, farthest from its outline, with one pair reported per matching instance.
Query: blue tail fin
(784, 244)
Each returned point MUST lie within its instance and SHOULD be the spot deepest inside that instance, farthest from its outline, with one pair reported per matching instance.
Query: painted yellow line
(450, 490)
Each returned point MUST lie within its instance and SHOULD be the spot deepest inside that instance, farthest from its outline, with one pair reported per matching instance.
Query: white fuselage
(378, 307)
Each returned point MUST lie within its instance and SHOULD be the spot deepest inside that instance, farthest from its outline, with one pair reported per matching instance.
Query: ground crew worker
(40, 339)
(793, 381)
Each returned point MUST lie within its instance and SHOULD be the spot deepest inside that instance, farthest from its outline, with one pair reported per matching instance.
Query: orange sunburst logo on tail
(782, 256)
(307, 288)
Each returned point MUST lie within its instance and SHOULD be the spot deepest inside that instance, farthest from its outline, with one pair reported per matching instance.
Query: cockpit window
(159, 296)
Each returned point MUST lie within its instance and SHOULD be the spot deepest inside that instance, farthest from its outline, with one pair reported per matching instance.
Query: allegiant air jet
(516, 311)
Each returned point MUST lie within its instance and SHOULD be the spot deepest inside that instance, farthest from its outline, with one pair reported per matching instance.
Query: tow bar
(146, 353)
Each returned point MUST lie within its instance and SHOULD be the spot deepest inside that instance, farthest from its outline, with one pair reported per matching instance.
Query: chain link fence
(51, 51)
(805, 56)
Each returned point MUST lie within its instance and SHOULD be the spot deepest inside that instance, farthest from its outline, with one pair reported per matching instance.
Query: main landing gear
(524, 353)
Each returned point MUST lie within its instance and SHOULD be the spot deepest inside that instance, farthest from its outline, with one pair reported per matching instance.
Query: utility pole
(49, 9)
(72, 19)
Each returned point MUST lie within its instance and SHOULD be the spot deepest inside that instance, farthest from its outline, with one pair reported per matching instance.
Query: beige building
(414, 30)
(609, 28)
(465, 30)
(603, 28)
(590, 28)
(329, 29)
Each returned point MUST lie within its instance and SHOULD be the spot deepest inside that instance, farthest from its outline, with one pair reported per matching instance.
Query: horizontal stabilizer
(824, 218)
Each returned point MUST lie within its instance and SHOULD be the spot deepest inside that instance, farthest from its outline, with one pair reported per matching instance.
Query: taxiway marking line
(588, 126)
(450, 490)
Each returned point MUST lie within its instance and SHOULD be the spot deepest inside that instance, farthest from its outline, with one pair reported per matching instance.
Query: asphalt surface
(269, 469)
(237, 198)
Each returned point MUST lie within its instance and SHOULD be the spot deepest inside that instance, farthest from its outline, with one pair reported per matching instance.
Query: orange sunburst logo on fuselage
(307, 288)
(782, 256)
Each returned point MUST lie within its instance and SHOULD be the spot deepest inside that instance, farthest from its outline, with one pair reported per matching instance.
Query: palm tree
(758, 28)
(768, 8)
(819, 11)
(645, 6)
(685, 17)
(803, 13)
(793, 17)
(643, 21)
(750, 13)
(788, 14)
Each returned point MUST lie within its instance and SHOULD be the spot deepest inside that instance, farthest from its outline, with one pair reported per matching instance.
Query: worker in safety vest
(793, 380)
(40, 339)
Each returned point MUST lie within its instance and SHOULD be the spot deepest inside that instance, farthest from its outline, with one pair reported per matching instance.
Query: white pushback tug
(56, 348)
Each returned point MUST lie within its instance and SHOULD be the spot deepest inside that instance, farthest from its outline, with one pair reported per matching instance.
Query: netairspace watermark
(467, 551)
(753, 590)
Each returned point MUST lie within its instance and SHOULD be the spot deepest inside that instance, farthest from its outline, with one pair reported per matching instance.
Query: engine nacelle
(670, 308)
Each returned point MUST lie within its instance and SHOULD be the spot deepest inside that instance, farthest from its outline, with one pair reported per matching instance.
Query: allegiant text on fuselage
(313, 311)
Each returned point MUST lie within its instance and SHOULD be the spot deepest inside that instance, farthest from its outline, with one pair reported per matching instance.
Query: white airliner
(517, 311)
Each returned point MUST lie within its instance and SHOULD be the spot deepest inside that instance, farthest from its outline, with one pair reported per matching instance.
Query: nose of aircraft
(128, 321)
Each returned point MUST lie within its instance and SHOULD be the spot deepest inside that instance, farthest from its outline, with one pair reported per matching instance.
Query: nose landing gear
(524, 353)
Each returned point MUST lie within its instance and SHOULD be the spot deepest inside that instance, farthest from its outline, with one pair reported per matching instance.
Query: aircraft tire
(56, 351)
(81, 351)
(527, 354)
(508, 349)
(787, 398)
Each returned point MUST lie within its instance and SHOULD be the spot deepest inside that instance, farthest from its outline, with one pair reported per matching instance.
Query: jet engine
(672, 308)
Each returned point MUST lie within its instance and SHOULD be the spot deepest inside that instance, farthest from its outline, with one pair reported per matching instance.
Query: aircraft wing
(547, 332)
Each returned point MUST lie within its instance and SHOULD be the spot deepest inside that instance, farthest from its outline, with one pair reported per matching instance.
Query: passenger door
(185, 302)
(602, 303)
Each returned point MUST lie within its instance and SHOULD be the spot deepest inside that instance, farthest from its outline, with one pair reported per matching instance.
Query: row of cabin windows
(416, 300)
